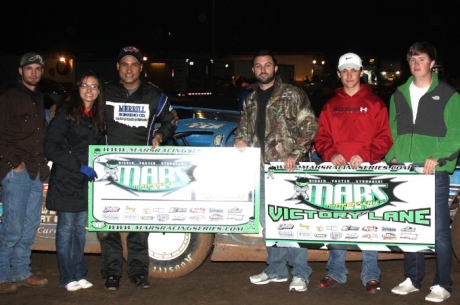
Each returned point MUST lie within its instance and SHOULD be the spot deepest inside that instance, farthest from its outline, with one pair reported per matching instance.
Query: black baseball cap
(130, 51)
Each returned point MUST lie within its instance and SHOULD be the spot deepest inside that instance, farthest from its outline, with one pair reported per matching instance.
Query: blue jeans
(279, 257)
(70, 245)
(414, 263)
(337, 269)
(22, 201)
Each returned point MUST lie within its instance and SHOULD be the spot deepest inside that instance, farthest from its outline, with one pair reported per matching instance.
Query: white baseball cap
(350, 60)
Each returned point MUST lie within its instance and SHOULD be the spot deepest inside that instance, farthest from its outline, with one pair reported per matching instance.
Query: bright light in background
(314, 61)
(322, 62)
(144, 58)
(62, 59)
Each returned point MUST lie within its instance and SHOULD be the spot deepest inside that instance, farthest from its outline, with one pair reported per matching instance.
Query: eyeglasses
(89, 86)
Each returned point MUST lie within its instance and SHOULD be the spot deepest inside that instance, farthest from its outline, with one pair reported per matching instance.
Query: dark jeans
(414, 263)
(278, 258)
(112, 253)
(337, 268)
(70, 245)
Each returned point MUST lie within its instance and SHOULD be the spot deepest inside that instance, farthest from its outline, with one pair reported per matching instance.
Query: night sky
(172, 27)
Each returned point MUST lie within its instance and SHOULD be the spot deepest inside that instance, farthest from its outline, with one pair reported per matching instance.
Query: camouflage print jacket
(291, 124)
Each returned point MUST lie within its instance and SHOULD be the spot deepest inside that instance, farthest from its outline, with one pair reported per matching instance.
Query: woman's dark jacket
(66, 145)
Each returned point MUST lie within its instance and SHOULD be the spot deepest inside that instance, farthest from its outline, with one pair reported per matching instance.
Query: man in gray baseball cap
(31, 58)
(22, 170)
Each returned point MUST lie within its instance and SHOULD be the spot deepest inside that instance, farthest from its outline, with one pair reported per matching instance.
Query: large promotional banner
(174, 189)
(376, 207)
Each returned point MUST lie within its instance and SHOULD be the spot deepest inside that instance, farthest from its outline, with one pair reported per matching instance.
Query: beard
(29, 82)
(268, 80)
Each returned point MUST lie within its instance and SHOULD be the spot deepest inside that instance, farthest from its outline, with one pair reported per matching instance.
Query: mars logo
(147, 175)
(354, 193)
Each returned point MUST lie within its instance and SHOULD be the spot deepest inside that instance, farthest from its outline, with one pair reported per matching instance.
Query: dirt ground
(224, 283)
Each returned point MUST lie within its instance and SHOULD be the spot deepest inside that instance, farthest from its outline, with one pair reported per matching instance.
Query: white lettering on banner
(204, 125)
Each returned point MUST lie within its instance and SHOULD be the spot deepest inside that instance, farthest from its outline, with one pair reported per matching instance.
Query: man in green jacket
(426, 129)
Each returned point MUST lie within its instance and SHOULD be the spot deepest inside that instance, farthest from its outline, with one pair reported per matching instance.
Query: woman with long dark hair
(78, 123)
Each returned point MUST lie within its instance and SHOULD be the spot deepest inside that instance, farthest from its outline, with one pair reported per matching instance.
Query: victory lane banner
(381, 207)
(174, 189)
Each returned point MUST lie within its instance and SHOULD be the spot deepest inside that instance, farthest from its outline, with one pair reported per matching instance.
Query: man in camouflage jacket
(278, 118)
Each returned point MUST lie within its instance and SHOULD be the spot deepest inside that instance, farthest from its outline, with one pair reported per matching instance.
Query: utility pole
(213, 30)
(213, 42)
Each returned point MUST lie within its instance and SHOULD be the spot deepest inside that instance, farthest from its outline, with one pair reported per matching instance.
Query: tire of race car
(191, 251)
(455, 231)
(176, 254)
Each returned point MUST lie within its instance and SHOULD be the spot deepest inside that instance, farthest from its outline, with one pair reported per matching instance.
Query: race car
(205, 127)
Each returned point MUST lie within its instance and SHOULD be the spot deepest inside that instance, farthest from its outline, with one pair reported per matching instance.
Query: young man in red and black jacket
(353, 128)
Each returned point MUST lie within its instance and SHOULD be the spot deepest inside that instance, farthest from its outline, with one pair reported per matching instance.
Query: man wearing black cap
(22, 170)
(125, 99)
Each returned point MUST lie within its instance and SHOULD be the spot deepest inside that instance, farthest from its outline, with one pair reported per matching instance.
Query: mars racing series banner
(174, 189)
(383, 207)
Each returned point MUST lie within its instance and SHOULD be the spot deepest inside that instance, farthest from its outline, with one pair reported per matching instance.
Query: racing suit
(130, 121)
